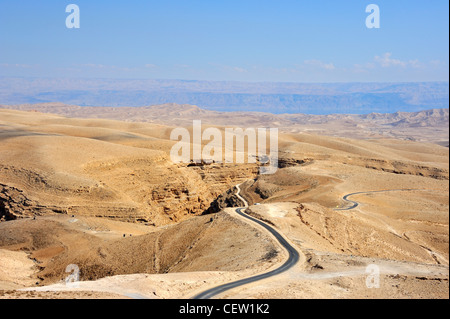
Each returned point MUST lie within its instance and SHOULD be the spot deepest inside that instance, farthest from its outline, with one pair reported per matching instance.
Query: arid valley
(95, 187)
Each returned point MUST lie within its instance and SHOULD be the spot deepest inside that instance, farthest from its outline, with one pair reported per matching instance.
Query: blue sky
(245, 40)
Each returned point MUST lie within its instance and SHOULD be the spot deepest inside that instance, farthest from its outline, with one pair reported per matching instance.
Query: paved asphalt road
(355, 204)
(292, 260)
(293, 253)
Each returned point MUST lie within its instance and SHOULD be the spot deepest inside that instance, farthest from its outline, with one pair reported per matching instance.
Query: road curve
(294, 257)
(354, 204)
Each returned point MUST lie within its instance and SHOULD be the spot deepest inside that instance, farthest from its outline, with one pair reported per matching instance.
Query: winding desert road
(354, 204)
(294, 257)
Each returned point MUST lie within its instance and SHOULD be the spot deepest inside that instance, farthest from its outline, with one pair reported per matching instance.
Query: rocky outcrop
(154, 193)
(227, 199)
(14, 204)
(400, 167)
(290, 162)
(221, 177)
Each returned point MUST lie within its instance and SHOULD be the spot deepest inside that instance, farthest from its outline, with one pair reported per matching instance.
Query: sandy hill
(100, 168)
(103, 249)
(90, 181)
(427, 126)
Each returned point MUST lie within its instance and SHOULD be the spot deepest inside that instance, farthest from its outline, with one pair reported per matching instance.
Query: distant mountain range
(276, 98)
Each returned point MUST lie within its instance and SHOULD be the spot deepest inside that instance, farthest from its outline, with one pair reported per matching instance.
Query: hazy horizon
(228, 81)
(280, 57)
(270, 97)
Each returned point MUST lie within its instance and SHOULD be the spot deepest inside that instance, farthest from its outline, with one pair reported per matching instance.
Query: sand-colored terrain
(423, 126)
(104, 195)
(102, 168)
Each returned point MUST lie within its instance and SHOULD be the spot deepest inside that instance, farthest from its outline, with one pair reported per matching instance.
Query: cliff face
(14, 204)
(223, 177)
(100, 168)
(155, 193)
(226, 199)
(167, 193)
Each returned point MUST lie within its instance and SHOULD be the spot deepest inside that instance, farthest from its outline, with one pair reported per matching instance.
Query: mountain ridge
(272, 97)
